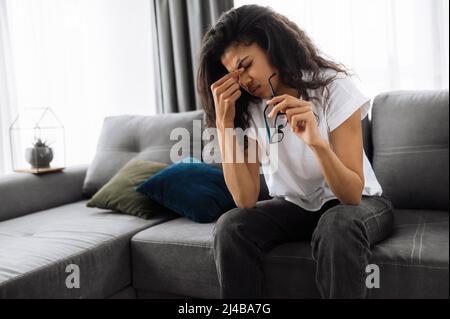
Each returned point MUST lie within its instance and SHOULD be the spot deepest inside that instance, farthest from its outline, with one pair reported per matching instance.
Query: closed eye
(246, 65)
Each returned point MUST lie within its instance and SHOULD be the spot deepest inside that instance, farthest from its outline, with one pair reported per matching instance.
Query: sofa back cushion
(141, 137)
(410, 148)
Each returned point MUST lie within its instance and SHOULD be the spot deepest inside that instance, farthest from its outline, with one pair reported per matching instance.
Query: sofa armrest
(21, 194)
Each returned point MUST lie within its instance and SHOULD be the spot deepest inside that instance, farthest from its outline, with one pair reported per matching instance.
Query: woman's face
(254, 79)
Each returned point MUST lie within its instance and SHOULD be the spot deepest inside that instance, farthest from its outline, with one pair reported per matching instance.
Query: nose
(244, 80)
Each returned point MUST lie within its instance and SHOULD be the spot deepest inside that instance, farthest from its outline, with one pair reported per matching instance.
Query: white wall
(86, 59)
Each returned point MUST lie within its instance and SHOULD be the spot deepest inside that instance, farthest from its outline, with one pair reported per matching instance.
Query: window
(390, 44)
(85, 59)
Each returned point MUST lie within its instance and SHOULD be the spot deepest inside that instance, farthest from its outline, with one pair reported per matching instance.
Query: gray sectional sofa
(45, 225)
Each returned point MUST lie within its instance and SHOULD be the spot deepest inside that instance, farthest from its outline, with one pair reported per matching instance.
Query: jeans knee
(229, 225)
(337, 224)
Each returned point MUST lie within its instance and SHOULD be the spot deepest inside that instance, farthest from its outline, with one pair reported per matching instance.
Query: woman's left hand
(300, 116)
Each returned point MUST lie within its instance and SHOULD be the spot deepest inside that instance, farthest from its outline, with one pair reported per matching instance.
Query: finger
(226, 78)
(280, 98)
(295, 120)
(226, 94)
(235, 87)
(277, 99)
(290, 102)
(225, 86)
(298, 121)
(280, 107)
(232, 98)
(297, 110)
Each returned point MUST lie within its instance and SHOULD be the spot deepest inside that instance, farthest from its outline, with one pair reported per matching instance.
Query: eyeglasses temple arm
(267, 124)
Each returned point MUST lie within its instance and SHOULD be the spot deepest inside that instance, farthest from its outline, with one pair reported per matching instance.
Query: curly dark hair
(270, 30)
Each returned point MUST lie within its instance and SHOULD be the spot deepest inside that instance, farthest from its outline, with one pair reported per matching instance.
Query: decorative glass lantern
(37, 140)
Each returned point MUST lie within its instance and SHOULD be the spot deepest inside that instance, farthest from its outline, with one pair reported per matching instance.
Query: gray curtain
(178, 28)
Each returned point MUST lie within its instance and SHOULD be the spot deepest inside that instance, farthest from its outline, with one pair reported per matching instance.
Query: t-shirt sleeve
(345, 98)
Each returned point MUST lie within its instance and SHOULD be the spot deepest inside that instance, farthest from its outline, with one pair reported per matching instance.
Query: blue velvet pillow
(190, 188)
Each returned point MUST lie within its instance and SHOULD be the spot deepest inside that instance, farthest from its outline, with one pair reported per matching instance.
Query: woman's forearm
(238, 176)
(345, 183)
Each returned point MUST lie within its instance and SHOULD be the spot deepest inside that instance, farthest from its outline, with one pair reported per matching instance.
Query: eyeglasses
(280, 120)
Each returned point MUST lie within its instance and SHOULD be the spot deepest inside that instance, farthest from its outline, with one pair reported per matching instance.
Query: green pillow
(119, 193)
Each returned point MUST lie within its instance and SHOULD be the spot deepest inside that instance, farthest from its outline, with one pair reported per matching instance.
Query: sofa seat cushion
(36, 249)
(177, 257)
(414, 260)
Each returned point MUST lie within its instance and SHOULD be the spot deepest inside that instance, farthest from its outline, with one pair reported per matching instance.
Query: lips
(252, 90)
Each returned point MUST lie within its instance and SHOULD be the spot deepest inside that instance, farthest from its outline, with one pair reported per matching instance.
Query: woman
(258, 70)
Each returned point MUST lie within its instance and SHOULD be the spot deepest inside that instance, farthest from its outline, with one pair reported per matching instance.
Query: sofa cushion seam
(412, 265)
(78, 254)
(170, 243)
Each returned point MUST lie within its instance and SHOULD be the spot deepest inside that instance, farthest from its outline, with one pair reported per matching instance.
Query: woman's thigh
(374, 216)
(271, 222)
(378, 217)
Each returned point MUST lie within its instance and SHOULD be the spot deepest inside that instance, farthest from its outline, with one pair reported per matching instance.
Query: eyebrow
(239, 61)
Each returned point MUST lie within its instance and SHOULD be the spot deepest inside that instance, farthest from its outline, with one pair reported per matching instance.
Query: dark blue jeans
(341, 237)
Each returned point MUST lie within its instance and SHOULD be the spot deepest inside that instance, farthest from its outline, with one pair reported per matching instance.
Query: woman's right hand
(225, 92)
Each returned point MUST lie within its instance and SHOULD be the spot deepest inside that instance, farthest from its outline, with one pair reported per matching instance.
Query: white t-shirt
(297, 176)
